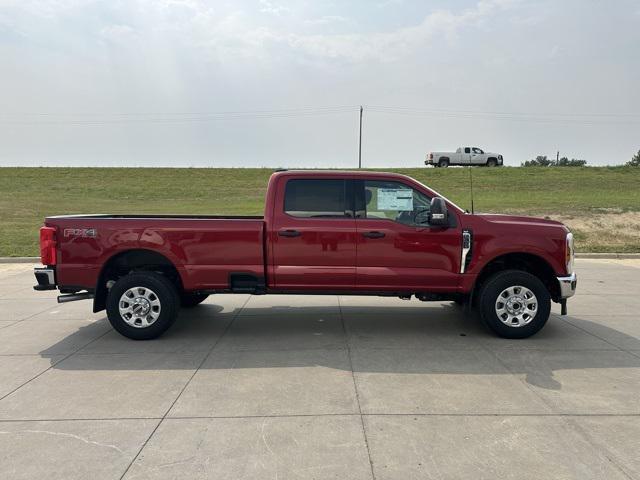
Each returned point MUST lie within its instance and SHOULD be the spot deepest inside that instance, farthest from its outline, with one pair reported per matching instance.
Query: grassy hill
(600, 204)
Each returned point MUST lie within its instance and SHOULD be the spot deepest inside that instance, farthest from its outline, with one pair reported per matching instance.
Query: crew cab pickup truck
(322, 233)
(464, 156)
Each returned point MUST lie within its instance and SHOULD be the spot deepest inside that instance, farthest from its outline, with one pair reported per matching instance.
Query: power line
(162, 118)
(170, 117)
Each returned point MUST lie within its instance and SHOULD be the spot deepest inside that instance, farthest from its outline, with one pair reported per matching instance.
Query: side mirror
(438, 212)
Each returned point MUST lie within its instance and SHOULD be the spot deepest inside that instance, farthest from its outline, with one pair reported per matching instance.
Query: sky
(274, 83)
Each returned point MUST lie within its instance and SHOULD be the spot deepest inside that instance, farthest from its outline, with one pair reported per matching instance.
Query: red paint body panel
(330, 254)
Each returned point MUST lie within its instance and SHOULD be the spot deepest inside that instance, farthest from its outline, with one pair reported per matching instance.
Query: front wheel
(491, 163)
(514, 304)
(143, 305)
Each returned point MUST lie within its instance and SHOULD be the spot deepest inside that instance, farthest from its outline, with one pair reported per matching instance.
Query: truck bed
(205, 248)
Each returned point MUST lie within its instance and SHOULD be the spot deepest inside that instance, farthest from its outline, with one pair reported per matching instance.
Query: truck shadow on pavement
(429, 340)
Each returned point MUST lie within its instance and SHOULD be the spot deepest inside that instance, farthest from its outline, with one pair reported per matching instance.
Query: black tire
(491, 162)
(161, 288)
(498, 283)
(190, 300)
(443, 163)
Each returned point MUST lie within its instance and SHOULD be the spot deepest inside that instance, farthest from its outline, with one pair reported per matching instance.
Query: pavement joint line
(53, 365)
(31, 316)
(13, 323)
(567, 420)
(197, 369)
(602, 448)
(355, 387)
(320, 415)
(618, 348)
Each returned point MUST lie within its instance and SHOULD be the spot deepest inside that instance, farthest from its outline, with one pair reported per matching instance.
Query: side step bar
(74, 297)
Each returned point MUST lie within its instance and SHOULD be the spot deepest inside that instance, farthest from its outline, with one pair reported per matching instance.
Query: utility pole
(360, 141)
(557, 157)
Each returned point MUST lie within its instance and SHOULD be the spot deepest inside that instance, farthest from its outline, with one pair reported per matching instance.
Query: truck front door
(478, 157)
(312, 238)
(396, 250)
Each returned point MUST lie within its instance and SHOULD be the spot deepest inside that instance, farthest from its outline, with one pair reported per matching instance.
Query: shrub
(543, 161)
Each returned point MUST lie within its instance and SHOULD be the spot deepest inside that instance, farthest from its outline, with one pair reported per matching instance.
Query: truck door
(313, 244)
(466, 158)
(478, 157)
(395, 250)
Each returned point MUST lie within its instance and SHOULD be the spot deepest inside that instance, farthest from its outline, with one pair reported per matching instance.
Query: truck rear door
(465, 157)
(312, 237)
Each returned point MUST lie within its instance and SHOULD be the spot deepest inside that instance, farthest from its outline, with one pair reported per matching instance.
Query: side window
(477, 150)
(311, 198)
(395, 201)
(467, 150)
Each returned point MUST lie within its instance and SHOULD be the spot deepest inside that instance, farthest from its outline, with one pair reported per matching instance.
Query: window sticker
(399, 199)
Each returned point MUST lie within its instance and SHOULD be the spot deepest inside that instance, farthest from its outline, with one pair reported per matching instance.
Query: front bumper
(568, 285)
(46, 278)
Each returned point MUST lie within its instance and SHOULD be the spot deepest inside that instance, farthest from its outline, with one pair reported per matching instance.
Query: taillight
(431, 156)
(48, 245)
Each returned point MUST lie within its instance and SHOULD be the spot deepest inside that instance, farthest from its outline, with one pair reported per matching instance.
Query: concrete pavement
(322, 387)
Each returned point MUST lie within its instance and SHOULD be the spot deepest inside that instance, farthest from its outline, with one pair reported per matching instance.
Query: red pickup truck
(323, 233)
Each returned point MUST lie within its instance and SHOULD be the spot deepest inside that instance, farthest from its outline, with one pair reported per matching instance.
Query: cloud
(388, 46)
(326, 20)
(268, 6)
(233, 33)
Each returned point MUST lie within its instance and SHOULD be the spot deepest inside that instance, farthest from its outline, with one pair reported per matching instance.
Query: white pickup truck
(464, 156)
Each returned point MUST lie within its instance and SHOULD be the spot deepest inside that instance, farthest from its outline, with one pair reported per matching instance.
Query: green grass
(27, 195)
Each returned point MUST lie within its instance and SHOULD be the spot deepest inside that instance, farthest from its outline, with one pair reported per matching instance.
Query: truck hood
(518, 220)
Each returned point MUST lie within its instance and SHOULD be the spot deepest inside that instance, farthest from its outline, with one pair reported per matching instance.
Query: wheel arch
(127, 261)
(528, 262)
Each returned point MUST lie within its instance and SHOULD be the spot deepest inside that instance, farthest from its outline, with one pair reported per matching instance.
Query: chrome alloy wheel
(139, 307)
(516, 306)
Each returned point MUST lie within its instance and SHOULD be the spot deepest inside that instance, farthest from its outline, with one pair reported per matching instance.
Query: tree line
(544, 161)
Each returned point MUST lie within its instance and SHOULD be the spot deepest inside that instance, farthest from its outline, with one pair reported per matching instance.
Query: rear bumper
(46, 278)
(568, 285)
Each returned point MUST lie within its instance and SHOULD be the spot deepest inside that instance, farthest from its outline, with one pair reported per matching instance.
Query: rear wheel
(514, 304)
(443, 163)
(189, 300)
(142, 306)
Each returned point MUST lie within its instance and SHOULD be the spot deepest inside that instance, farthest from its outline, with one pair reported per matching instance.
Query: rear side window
(467, 150)
(307, 198)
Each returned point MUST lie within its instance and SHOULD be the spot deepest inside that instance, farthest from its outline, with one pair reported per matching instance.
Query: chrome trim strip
(466, 248)
(568, 285)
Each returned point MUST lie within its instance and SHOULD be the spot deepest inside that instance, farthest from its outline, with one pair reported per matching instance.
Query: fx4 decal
(80, 232)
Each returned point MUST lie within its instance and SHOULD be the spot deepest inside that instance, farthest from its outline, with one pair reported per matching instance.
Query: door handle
(373, 234)
(289, 233)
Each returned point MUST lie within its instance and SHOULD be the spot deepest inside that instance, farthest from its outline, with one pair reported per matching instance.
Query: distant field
(601, 205)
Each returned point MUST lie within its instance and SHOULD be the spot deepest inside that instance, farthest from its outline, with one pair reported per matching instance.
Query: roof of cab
(337, 173)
